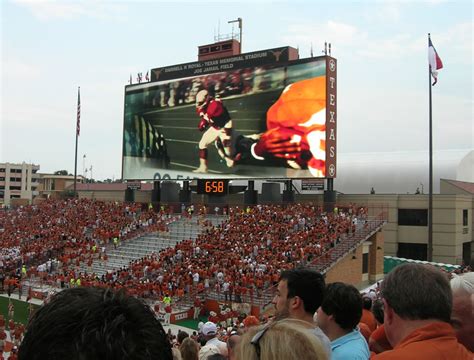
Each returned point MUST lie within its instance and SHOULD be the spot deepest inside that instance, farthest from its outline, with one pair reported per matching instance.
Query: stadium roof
(463, 185)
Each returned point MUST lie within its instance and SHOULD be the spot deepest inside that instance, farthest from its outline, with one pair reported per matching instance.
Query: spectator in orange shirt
(378, 341)
(417, 304)
(367, 316)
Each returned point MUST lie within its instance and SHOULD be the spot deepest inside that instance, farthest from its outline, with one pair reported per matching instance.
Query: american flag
(78, 125)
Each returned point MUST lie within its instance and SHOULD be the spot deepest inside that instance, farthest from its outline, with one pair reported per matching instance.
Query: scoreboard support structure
(251, 195)
(185, 193)
(288, 193)
(156, 192)
(329, 196)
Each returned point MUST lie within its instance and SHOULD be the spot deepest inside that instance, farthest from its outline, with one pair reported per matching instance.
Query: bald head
(462, 315)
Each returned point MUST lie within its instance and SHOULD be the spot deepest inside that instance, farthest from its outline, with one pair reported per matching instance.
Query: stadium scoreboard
(270, 95)
(212, 187)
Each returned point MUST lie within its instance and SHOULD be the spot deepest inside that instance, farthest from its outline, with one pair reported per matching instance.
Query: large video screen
(269, 121)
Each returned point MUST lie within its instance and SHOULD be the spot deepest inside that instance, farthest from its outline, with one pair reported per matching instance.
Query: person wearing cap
(209, 330)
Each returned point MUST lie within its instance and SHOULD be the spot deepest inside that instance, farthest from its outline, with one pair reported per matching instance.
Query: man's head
(299, 293)
(341, 308)
(367, 303)
(418, 292)
(93, 323)
(414, 293)
(462, 316)
(232, 342)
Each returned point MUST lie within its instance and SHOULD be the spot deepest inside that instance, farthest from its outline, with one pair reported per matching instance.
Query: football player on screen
(216, 124)
(296, 129)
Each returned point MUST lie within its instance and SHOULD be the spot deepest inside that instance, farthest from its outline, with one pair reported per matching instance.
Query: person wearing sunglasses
(281, 340)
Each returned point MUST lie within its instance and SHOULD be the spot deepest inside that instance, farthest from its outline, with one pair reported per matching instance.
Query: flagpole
(77, 137)
(430, 197)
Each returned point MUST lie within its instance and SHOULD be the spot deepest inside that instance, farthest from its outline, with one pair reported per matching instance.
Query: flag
(78, 124)
(434, 60)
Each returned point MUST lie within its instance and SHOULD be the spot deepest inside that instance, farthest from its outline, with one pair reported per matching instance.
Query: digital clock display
(212, 187)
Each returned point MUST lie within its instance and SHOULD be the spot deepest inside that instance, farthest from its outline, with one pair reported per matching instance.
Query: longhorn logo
(277, 54)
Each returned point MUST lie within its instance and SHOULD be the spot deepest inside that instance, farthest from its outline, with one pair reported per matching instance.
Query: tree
(61, 172)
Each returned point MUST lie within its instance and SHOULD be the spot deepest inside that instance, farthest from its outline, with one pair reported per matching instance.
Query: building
(18, 181)
(51, 185)
(406, 231)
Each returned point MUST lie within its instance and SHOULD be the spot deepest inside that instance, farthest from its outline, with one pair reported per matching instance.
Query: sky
(49, 48)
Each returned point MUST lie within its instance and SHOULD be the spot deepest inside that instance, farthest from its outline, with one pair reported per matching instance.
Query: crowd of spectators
(57, 234)
(238, 259)
(421, 316)
(255, 249)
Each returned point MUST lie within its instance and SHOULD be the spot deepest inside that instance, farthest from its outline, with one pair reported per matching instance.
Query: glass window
(365, 263)
(464, 217)
(413, 217)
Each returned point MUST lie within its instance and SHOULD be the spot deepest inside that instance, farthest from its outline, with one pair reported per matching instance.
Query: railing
(369, 226)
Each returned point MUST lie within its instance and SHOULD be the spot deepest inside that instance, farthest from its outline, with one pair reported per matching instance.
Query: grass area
(190, 323)
(21, 309)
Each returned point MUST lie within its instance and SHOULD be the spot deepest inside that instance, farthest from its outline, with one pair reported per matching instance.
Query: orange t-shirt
(369, 319)
(431, 342)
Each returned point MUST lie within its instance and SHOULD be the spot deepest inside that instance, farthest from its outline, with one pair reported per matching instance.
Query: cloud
(455, 41)
(351, 40)
(16, 70)
(48, 10)
(387, 12)
(342, 34)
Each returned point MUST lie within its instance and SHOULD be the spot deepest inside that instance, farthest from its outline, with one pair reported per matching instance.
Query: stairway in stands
(348, 244)
(182, 229)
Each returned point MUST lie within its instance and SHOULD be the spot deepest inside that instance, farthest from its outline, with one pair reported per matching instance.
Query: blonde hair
(284, 339)
(189, 349)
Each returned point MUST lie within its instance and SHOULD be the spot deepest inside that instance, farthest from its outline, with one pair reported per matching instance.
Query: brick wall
(348, 270)
(376, 252)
